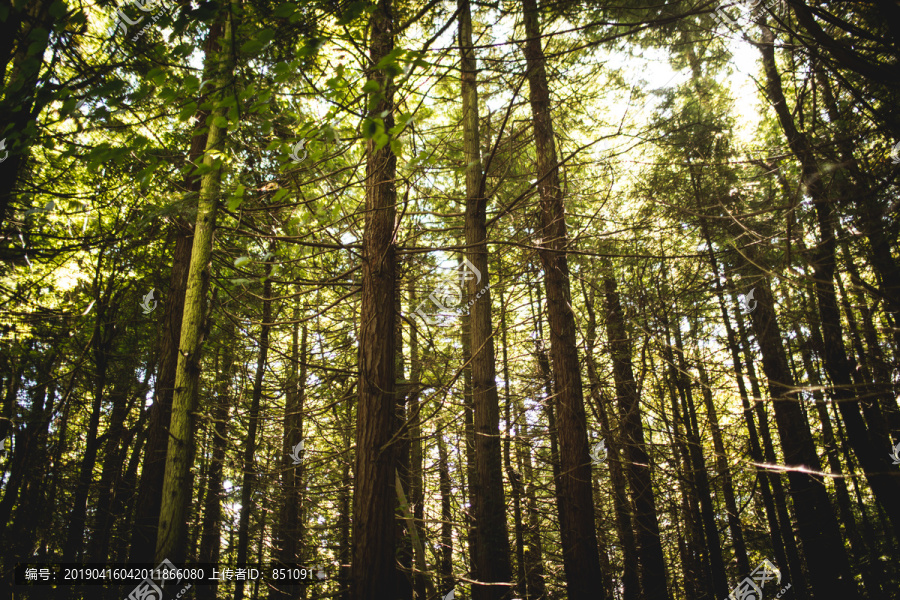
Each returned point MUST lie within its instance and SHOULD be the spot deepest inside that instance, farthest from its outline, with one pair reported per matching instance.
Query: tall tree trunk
(290, 529)
(374, 499)
(416, 456)
(177, 485)
(865, 441)
(653, 566)
(779, 497)
(445, 555)
(783, 544)
(249, 476)
(697, 577)
(826, 559)
(863, 558)
(581, 558)
(404, 526)
(144, 533)
(111, 474)
(210, 537)
(490, 506)
(734, 520)
(630, 581)
(102, 346)
(515, 479)
(719, 583)
(345, 546)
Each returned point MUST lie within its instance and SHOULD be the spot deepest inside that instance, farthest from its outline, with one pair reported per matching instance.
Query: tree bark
(653, 566)
(374, 499)
(581, 558)
(176, 491)
(210, 537)
(249, 465)
(490, 514)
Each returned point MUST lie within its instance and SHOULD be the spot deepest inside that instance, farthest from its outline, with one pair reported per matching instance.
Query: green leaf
(371, 86)
(157, 76)
(187, 112)
(241, 261)
(285, 10)
(352, 12)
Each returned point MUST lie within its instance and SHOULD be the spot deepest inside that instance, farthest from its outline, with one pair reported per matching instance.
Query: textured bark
(731, 508)
(867, 442)
(653, 566)
(515, 478)
(826, 559)
(210, 544)
(248, 483)
(374, 498)
(176, 492)
(490, 514)
(581, 558)
(149, 501)
(445, 555)
(630, 582)
(289, 533)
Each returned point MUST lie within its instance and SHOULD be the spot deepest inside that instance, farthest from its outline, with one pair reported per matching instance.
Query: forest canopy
(495, 299)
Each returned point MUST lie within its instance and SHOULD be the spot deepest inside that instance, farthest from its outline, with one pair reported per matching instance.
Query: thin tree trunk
(734, 520)
(826, 559)
(445, 556)
(581, 558)
(416, 457)
(490, 507)
(176, 491)
(653, 566)
(210, 537)
(290, 529)
(865, 441)
(783, 544)
(249, 476)
(515, 479)
(630, 581)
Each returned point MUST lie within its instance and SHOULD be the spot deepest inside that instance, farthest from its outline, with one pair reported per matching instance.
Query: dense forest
(488, 299)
